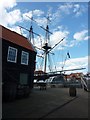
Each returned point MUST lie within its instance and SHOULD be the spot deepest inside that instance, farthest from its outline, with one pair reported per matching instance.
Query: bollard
(72, 91)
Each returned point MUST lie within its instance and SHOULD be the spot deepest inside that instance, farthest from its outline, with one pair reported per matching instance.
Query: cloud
(80, 36)
(59, 33)
(74, 8)
(27, 15)
(38, 12)
(56, 15)
(71, 9)
(66, 8)
(72, 43)
(39, 41)
(87, 38)
(57, 36)
(79, 10)
(37, 16)
(4, 4)
(54, 39)
(41, 21)
(9, 16)
(30, 14)
(75, 63)
(13, 17)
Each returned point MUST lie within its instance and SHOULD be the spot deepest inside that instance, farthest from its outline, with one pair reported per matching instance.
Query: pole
(45, 62)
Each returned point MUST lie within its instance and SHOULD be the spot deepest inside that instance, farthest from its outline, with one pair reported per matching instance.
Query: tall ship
(19, 73)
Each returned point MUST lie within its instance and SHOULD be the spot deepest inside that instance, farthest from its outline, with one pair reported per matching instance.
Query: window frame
(27, 58)
(15, 54)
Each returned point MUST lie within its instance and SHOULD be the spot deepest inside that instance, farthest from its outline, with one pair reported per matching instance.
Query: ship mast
(46, 46)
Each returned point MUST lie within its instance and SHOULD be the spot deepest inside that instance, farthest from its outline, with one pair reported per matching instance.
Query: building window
(12, 54)
(24, 58)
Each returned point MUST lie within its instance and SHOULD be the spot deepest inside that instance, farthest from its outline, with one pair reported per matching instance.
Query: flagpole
(65, 60)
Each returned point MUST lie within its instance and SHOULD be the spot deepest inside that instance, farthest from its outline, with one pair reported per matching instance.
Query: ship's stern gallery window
(12, 54)
(24, 58)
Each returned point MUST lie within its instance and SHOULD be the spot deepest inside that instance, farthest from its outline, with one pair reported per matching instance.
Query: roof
(15, 38)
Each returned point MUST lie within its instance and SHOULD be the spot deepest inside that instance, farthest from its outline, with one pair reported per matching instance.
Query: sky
(67, 19)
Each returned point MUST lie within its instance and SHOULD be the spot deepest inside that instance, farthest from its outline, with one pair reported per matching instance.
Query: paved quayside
(50, 103)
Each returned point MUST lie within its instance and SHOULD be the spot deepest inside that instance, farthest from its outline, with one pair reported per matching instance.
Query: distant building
(76, 76)
(73, 76)
(18, 64)
(39, 72)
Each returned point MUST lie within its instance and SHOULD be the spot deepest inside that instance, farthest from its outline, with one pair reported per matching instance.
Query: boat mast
(46, 47)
